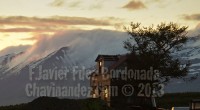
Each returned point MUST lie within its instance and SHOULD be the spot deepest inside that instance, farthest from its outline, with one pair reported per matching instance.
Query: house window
(106, 92)
(94, 95)
(100, 66)
(100, 63)
(94, 91)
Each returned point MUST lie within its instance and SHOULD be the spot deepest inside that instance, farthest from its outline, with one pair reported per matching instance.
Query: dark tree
(154, 46)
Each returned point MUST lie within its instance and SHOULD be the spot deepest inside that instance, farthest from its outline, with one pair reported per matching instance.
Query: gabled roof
(118, 58)
(108, 57)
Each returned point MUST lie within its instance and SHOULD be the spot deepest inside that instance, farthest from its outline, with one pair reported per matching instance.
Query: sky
(24, 23)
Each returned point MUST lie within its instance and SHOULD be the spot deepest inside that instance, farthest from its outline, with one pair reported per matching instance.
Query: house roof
(195, 100)
(121, 60)
(118, 58)
(107, 57)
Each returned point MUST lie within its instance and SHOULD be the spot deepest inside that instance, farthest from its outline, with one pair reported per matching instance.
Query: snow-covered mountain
(70, 62)
(14, 81)
(191, 52)
(77, 60)
(5, 61)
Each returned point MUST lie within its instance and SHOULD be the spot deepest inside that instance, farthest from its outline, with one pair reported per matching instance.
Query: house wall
(104, 65)
(108, 63)
(102, 82)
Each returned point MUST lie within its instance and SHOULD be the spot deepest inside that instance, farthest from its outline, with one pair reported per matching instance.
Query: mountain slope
(72, 62)
(51, 103)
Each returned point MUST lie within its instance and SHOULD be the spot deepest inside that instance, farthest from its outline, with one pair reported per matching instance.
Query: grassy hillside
(49, 103)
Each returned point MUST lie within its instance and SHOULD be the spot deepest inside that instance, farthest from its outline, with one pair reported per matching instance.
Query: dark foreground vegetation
(177, 99)
(49, 103)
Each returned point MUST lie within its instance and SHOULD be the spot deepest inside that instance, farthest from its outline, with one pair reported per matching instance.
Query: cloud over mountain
(13, 49)
(195, 31)
(84, 42)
